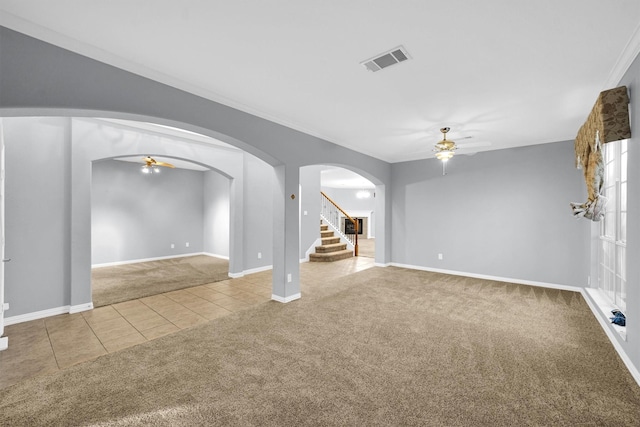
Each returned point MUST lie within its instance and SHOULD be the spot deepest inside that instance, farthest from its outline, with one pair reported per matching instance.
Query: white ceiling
(500, 73)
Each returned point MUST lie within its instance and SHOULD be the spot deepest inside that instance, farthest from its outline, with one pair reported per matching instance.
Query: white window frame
(612, 240)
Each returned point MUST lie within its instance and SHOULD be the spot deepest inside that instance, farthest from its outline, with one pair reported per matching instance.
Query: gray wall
(137, 216)
(258, 213)
(37, 216)
(502, 213)
(216, 214)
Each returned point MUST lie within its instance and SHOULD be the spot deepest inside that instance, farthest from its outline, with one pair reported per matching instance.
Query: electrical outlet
(173, 246)
(289, 277)
(259, 255)
(187, 244)
(440, 256)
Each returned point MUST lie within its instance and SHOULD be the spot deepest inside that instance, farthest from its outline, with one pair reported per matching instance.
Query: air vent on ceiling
(386, 59)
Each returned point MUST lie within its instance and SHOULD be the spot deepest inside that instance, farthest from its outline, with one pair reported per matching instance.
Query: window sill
(605, 306)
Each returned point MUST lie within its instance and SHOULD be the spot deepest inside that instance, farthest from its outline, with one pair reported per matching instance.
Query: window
(612, 256)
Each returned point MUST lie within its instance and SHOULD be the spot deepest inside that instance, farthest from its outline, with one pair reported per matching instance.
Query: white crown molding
(624, 61)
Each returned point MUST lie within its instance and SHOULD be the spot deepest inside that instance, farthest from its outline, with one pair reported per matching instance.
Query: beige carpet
(386, 346)
(111, 285)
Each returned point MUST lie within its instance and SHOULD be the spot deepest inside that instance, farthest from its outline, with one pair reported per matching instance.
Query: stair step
(326, 234)
(330, 240)
(324, 227)
(333, 247)
(330, 256)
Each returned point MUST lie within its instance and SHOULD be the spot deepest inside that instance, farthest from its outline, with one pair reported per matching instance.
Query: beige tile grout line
(165, 317)
(96, 335)
(55, 357)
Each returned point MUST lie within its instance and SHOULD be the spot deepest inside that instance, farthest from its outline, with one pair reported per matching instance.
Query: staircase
(331, 248)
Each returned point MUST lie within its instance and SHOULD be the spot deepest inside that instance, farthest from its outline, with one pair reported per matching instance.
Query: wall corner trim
(380, 264)
(287, 299)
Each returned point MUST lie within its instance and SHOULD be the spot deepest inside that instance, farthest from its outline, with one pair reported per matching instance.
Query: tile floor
(54, 343)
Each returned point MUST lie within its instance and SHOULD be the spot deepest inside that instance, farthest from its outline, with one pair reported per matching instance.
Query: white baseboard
(287, 299)
(379, 264)
(215, 255)
(251, 271)
(36, 315)
(80, 308)
(4, 343)
(135, 261)
(610, 332)
(65, 309)
(487, 277)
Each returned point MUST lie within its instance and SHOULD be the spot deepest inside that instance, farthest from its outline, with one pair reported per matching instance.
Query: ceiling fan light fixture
(149, 169)
(151, 165)
(444, 155)
(445, 149)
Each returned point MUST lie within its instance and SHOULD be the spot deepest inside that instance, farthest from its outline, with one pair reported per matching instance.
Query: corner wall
(216, 214)
(136, 216)
(502, 213)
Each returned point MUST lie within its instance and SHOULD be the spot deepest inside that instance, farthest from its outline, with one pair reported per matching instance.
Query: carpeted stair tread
(331, 256)
(330, 240)
(333, 247)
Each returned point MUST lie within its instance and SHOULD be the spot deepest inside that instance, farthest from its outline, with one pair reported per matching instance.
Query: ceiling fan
(151, 165)
(445, 149)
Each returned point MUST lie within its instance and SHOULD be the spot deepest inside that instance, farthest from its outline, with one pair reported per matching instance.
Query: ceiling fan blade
(474, 145)
(165, 164)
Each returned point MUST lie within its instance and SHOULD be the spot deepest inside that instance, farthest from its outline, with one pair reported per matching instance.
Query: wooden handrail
(353, 221)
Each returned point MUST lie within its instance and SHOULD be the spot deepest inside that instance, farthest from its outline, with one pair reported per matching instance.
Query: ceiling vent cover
(386, 59)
